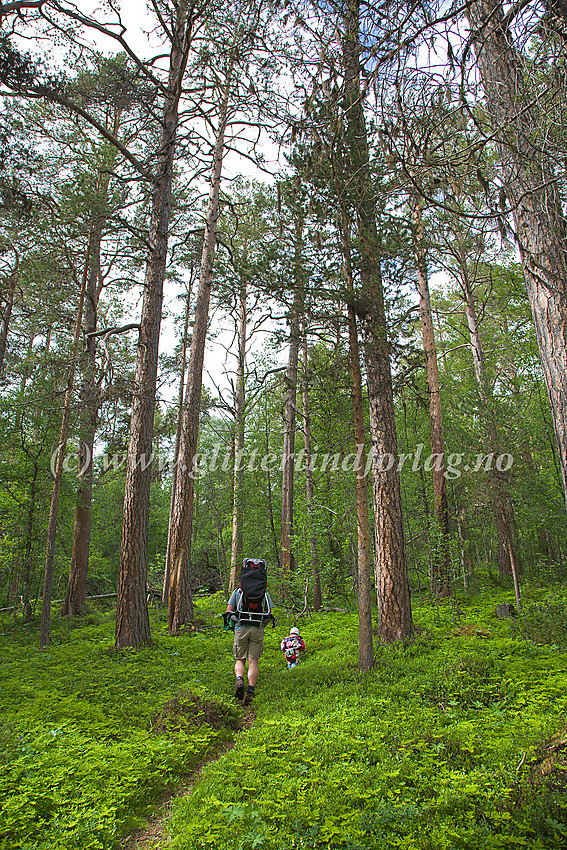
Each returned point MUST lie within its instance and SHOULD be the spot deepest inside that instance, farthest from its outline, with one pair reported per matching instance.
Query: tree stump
(505, 610)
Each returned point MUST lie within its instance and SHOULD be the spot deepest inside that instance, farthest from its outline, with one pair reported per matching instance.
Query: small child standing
(292, 646)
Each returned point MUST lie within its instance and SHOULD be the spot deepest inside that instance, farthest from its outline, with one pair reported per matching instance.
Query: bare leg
(240, 668)
(252, 671)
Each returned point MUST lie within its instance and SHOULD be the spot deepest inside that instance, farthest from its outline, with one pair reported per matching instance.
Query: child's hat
(294, 631)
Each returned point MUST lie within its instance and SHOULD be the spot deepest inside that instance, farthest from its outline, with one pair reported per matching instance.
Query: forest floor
(455, 740)
(150, 837)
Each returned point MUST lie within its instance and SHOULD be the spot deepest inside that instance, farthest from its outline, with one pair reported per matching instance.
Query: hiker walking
(247, 610)
(292, 646)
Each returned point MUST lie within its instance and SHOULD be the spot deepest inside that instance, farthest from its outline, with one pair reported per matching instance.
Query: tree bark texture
(6, 316)
(180, 601)
(288, 449)
(178, 428)
(534, 199)
(132, 620)
(503, 508)
(392, 583)
(45, 626)
(364, 561)
(74, 604)
(309, 490)
(440, 579)
(239, 429)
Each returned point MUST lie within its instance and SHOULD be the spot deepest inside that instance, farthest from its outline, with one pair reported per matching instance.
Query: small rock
(505, 610)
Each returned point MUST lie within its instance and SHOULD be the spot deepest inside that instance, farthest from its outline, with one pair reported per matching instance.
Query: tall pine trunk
(6, 316)
(180, 601)
(394, 603)
(288, 449)
(533, 196)
(440, 578)
(309, 489)
(364, 561)
(239, 429)
(132, 620)
(45, 626)
(503, 508)
(178, 428)
(74, 604)
(269, 498)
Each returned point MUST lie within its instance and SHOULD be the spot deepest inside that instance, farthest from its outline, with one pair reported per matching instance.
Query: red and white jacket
(292, 646)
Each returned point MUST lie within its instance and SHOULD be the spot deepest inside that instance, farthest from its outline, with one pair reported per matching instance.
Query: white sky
(140, 21)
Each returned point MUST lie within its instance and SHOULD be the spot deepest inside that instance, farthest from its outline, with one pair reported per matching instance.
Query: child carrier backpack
(290, 646)
(252, 605)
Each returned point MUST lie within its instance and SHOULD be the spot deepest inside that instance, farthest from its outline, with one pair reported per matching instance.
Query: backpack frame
(251, 603)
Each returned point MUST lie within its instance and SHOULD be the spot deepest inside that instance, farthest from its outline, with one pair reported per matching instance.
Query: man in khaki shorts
(248, 641)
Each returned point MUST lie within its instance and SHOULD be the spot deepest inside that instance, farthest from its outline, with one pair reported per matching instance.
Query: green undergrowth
(456, 740)
(91, 738)
(440, 746)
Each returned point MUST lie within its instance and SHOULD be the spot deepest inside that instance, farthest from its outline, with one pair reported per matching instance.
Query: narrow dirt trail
(152, 836)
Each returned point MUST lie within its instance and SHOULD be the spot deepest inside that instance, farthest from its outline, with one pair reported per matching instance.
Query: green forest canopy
(397, 168)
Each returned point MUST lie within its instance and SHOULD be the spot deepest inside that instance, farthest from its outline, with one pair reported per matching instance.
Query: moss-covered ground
(456, 740)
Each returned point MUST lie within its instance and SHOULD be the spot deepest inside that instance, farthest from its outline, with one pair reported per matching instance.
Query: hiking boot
(248, 697)
(239, 692)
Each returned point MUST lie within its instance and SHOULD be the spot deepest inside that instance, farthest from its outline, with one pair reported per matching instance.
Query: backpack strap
(255, 618)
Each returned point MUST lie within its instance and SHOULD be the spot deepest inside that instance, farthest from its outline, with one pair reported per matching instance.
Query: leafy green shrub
(101, 577)
(545, 622)
(189, 711)
(434, 748)
(469, 681)
(93, 736)
(424, 751)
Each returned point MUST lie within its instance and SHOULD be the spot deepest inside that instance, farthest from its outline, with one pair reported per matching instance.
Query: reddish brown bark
(239, 429)
(6, 316)
(132, 620)
(179, 425)
(440, 578)
(364, 560)
(309, 489)
(394, 604)
(180, 601)
(532, 191)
